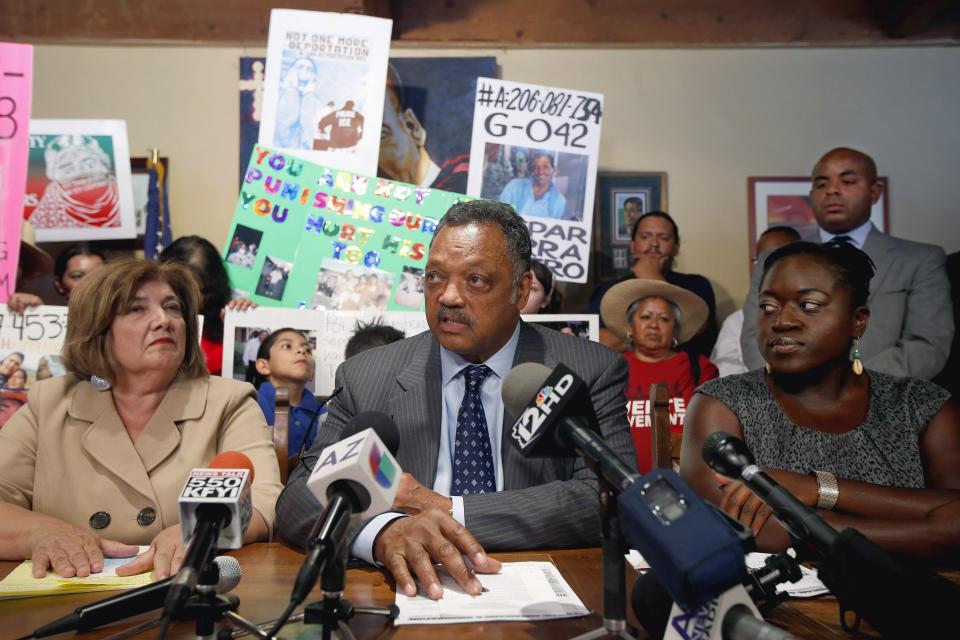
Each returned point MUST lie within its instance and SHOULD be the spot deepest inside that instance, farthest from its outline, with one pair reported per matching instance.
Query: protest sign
(324, 87)
(78, 181)
(536, 148)
(16, 79)
(30, 345)
(311, 236)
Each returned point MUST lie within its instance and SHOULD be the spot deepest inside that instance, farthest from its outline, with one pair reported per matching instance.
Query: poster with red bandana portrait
(78, 181)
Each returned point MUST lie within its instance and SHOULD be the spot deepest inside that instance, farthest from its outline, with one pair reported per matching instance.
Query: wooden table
(268, 571)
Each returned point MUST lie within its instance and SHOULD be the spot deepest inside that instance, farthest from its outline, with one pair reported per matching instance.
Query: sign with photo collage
(310, 236)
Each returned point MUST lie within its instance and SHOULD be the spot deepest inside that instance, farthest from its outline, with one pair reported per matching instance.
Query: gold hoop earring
(857, 365)
(767, 367)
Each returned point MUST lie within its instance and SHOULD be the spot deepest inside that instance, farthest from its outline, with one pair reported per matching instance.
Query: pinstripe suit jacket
(545, 502)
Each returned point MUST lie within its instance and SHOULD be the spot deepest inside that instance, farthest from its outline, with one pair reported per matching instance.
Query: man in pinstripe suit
(477, 279)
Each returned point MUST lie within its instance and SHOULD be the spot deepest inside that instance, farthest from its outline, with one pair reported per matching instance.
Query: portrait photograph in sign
(246, 345)
(243, 247)
(536, 182)
(427, 119)
(343, 287)
(19, 371)
(79, 184)
(273, 278)
(410, 291)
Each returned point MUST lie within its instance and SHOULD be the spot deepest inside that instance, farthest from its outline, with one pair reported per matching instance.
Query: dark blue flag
(157, 234)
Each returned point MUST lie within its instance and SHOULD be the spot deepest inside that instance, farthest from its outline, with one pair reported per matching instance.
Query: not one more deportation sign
(536, 148)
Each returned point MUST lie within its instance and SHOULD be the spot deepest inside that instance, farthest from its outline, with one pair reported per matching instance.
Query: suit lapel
(880, 248)
(106, 439)
(516, 468)
(185, 400)
(416, 408)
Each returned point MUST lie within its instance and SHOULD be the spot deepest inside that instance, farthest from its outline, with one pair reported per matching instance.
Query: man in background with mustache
(911, 320)
(654, 245)
(466, 489)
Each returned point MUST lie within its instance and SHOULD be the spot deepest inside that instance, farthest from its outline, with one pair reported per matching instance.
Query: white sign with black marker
(536, 148)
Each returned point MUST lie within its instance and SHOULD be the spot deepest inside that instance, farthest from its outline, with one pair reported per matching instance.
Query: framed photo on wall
(621, 199)
(786, 201)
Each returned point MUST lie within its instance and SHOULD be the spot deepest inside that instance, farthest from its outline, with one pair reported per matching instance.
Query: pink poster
(16, 80)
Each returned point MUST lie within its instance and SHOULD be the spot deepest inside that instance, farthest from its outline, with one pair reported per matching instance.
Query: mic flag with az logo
(362, 459)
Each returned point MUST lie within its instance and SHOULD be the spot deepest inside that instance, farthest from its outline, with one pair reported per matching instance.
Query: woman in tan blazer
(95, 461)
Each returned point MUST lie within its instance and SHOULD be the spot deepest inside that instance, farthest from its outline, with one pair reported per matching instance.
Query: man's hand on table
(410, 546)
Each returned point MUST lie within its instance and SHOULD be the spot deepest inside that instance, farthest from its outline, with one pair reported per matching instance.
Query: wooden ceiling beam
(624, 23)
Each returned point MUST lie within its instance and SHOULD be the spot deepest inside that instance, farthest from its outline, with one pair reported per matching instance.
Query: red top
(676, 374)
(213, 352)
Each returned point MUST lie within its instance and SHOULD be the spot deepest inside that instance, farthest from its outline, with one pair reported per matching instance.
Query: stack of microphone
(695, 552)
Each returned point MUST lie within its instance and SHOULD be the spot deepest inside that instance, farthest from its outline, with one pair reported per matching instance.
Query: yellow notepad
(21, 583)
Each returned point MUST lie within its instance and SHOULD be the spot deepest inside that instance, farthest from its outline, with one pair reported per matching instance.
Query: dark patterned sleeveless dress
(882, 450)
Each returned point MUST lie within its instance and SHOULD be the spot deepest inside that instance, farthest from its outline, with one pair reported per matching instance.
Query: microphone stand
(614, 569)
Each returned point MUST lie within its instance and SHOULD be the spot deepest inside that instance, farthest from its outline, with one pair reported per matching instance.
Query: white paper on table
(521, 591)
(807, 587)
(637, 561)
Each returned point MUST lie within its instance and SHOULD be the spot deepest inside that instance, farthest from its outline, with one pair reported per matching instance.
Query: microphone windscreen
(230, 573)
(521, 385)
(233, 460)
(381, 424)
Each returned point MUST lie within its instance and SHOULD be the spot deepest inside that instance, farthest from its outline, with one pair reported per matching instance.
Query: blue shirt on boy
(303, 417)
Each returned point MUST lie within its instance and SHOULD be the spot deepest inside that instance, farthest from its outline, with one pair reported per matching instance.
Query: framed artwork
(786, 201)
(621, 199)
(78, 181)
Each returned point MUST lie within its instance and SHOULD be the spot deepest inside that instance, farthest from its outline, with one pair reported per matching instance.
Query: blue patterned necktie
(472, 456)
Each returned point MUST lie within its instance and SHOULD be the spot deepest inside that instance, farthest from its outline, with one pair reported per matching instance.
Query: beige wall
(708, 117)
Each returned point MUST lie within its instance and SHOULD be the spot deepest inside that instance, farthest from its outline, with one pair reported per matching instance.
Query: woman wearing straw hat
(655, 318)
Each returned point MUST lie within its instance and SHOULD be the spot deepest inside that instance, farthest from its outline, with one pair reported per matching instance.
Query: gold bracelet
(827, 490)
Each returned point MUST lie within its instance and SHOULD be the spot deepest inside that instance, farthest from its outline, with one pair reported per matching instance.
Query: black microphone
(729, 455)
(133, 602)
(554, 414)
(356, 476)
(217, 502)
(864, 577)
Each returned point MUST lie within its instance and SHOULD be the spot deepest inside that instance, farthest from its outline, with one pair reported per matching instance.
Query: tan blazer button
(100, 520)
(146, 516)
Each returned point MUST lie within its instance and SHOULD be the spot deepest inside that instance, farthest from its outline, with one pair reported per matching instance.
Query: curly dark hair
(852, 267)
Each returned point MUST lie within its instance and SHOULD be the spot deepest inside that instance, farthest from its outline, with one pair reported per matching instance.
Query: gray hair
(513, 227)
(636, 304)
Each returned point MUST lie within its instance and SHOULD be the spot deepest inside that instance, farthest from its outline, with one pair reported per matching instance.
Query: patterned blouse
(884, 449)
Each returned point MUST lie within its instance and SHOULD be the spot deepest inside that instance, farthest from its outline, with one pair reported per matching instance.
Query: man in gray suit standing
(911, 321)
(466, 488)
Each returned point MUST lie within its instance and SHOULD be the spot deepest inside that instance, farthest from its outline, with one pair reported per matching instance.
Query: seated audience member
(33, 263)
(94, 463)
(370, 335)
(543, 297)
(204, 262)
(73, 264)
(655, 245)
(655, 318)
(869, 450)
(726, 352)
(465, 488)
(286, 360)
(911, 325)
